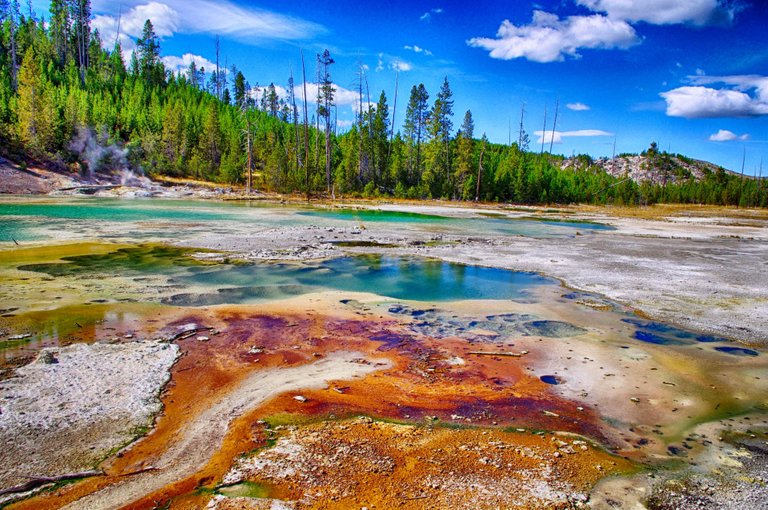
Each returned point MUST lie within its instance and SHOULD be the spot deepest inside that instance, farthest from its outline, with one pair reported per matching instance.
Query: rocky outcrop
(659, 169)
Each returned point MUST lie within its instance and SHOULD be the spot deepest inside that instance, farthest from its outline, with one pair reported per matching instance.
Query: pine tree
(60, 29)
(81, 33)
(36, 111)
(150, 69)
(414, 126)
(379, 139)
(465, 149)
(239, 86)
(437, 176)
(271, 100)
(192, 74)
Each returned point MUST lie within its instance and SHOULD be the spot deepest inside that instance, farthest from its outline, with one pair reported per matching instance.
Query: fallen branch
(38, 481)
(487, 353)
(139, 471)
(182, 335)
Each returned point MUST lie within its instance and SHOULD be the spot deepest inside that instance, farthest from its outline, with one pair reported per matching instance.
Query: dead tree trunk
(554, 126)
(480, 170)
(306, 125)
(39, 481)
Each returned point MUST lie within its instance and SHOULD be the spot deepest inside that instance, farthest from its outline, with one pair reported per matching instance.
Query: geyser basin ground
(442, 347)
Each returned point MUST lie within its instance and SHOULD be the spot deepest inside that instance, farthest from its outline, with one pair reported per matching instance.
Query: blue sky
(691, 75)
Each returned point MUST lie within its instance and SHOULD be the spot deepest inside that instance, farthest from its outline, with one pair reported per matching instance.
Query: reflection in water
(71, 324)
(372, 215)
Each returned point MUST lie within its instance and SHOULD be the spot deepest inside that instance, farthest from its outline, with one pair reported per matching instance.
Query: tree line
(57, 79)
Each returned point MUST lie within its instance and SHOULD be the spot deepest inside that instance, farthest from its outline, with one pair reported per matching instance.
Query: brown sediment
(359, 462)
(422, 385)
(432, 382)
(207, 372)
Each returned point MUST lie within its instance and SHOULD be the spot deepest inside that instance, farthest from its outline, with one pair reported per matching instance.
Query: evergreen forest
(59, 82)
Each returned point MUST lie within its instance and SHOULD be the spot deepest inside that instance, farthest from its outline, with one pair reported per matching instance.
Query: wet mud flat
(431, 399)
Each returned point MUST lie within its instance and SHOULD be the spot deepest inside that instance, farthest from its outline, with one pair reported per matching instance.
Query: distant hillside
(652, 168)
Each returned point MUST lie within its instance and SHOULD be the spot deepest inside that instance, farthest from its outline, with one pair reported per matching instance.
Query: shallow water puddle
(485, 224)
(373, 215)
(396, 277)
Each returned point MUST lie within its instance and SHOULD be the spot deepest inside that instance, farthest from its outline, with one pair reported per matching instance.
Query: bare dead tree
(480, 169)
(218, 78)
(325, 94)
(360, 158)
(544, 133)
(248, 142)
(306, 124)
(317, 115)
(392, 125)
(554, 125)
(370, 128)
(294, 119)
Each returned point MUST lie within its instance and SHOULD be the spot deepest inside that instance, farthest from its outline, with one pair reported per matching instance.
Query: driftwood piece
(38, 481)
(182, 335)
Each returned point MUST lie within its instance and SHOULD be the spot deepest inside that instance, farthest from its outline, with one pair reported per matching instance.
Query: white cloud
(724, 135)
(548, 38)
(663, 12)
(341, 96)
(745, 96)
(223, 17)
(743, 82)
(577, 107)
(705, 102)
(282, 93)
(417, 49)
(400, 65)
(182, 63)
(380, 63)
(165, 21)
(427, 16)
(557, 136)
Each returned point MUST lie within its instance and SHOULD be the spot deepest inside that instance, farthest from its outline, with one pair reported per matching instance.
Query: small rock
(300, 398)
(47, 358)
(203, 338)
